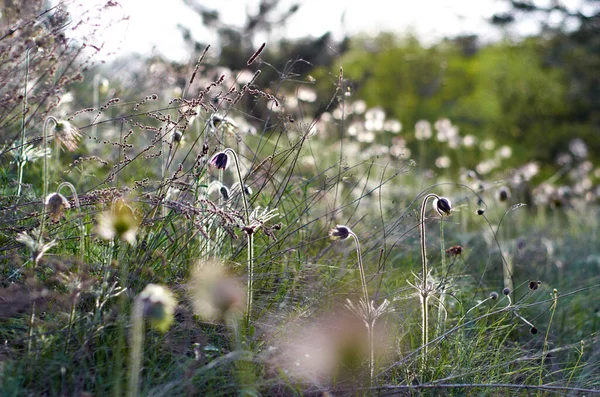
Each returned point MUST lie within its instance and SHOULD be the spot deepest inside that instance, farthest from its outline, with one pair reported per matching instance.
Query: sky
(152, 24)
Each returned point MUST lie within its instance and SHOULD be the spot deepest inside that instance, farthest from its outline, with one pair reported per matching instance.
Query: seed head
(56, 203)
(533, 330)
(480, 211)
(67, 135)
(506, 291)
(220, 161)
(443, 206)
(35, 243)
(340, 232)
(494, 295)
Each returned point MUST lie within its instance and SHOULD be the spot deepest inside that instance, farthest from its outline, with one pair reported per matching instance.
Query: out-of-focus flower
(56, 203)
(393, 126)
(442, 162)
(359, 107)
(376, 113)
(503, 194)
(120, 222)
(578, 148)
(215, 294)
(331, 347)
(504, 152)
(158, 305)
(423, 130)
(306, 94)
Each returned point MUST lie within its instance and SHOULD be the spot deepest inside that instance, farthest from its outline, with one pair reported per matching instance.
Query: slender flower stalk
(365, 309)
(221, 161)
(45, 171)
(49, 199)
(22, 162)
(443, 207)
(156, 304)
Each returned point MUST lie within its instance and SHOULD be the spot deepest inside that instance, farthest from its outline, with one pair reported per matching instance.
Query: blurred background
(516, 79)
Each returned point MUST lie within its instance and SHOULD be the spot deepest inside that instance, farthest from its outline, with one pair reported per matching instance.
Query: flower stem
(424, 273)
(249, 237)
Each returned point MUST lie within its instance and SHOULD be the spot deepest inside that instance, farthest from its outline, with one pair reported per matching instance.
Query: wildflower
(443, 206)
(177, 136)
(340, 232)
(215, 294)
(422, 130)
(455, 250)
(120, 223)
(36, 246)
(533, 285)
(442, 162)
(503, 194)
(220, 161)
(224, 192)
(158, 306)
(66, 135)
(56, 203)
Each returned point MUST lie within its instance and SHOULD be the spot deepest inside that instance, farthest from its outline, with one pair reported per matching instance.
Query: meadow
(233, 238)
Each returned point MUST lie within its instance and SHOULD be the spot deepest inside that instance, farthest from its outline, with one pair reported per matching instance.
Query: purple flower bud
(220, 161)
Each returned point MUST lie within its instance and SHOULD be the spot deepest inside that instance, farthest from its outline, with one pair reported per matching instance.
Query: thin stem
(81, 254)
(239, 173)
(424, 274)
(136, 352)
(361, 269)
(370, 328)
(545, 348)
(249, 237)
(22, 162)
(45, 174)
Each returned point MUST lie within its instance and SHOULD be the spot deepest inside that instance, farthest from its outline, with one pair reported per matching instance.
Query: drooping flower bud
(443, 206)
(340, 232)
(220, 161)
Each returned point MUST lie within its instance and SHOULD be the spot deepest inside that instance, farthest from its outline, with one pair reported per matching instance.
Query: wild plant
(366, 308)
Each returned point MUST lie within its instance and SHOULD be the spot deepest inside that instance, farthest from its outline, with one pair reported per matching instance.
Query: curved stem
(424, 274)
(45, 175)
(361, 269)
(239, 174)
(249, 238)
